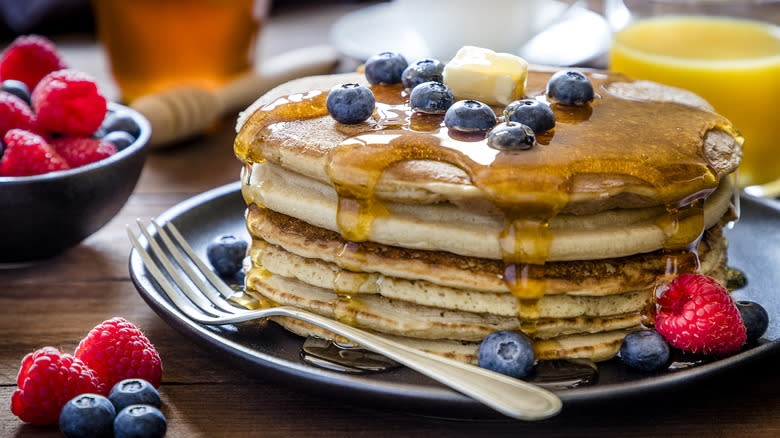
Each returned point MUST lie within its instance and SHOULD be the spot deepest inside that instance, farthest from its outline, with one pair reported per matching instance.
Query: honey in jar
(154, 45)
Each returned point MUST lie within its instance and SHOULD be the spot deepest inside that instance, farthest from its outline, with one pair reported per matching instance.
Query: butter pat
(484, 75)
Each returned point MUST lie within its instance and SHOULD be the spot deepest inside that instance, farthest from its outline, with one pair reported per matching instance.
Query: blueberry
(511, 136)
(350, 103)
(532, 113)
(470, 115)
(431, 98)
(385, 68)
(507, 352)
(755, 317)
(140, 421)
(645, 350)
(87, 415)
(134, 392)
(17, 88)
(120, 139)
(121, 121)
(426, 70)
(226, 254)
(569, 87)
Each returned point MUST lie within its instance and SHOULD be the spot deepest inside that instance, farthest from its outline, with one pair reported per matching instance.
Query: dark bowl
(43, 215)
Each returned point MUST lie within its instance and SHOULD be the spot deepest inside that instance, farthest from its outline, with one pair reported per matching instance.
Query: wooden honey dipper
(185, 111)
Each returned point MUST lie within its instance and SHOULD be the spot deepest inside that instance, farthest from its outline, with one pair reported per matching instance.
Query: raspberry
(78, 151)
(69, 102)
(117, 350)
(30, 58)
(28, 154)
(47, 380)
(696, 314)
(15, 113)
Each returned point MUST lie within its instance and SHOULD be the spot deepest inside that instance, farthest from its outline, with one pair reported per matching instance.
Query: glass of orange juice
(154, 45)
(727, 51)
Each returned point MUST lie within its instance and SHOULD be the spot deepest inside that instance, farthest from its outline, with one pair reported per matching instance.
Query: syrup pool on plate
(733, 63)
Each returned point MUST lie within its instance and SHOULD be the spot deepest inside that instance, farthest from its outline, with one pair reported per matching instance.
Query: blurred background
(56, 17)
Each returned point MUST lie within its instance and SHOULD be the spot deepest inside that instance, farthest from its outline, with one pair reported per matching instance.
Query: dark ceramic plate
(269, 350)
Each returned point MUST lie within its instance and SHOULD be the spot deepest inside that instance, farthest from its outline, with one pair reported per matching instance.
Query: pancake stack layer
(402, 227)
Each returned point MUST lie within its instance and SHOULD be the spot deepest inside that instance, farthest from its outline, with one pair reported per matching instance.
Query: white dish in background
(577, 37)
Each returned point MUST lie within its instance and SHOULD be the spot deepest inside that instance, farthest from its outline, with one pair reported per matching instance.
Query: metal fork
(203, 297)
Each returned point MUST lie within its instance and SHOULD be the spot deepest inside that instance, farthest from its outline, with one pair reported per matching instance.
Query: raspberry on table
(116, 349)
(29, 58)
(78, 151)
(696, 314)
(68, 102)
(15, 113)
(47, 380)
(29, 154)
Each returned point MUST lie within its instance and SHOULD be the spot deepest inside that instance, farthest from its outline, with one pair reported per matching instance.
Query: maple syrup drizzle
(657, 144)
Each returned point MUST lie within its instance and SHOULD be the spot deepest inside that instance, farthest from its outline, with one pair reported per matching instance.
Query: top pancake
(639, 144)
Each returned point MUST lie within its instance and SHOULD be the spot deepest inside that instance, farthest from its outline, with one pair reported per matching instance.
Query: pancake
(304, 145)
(377, 313)
(400, 226)
(564, 305)
(445, 227)
(601, 277)
(296, 243)
(594, 346)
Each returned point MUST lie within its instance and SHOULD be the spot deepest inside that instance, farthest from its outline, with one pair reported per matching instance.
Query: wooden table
(58, 301)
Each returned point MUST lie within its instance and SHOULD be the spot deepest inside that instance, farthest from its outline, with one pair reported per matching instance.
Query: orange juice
(154, 45)
(733, 63)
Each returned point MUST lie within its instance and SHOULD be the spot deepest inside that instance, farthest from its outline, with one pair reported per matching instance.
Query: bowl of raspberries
(69, 159)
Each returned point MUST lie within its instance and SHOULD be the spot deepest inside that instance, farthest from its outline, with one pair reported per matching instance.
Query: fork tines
(186, 280)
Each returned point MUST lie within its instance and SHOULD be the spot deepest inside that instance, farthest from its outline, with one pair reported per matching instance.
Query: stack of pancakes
(402, 227)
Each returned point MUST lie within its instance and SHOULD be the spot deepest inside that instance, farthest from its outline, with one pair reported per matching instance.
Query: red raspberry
(117, 350)
(69, 102)
(78, 151)
(47, 380)
(28, 154)
(30, 58)
(15, 113)
(696, 314)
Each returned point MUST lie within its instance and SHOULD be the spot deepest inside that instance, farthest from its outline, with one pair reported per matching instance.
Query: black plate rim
(441, 397)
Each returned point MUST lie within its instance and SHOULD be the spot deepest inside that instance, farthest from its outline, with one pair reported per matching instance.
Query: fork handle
(512, 397)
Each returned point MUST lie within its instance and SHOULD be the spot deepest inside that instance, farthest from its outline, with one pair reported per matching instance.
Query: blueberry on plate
(645, 350)
(431, 98)
(134, 392)
(385, 68)
(87, 415)
(425, 70)
(226, 254)
(507, 352)
(140, 421)
(531, 112)
(120, 139)
(755, 317)
(470, 115)
(511, 136)
(17, 88)
(350, 103)
(569, 87)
